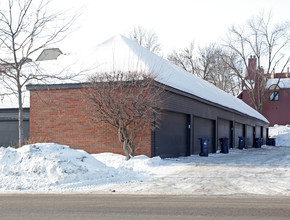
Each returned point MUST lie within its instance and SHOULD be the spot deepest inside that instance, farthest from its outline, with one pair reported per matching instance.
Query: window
(274, 96)
(274, 92)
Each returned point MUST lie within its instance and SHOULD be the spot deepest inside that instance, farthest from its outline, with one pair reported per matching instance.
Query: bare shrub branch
(129, 102)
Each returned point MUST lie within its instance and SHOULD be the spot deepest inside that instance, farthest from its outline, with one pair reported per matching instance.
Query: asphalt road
(95, 206)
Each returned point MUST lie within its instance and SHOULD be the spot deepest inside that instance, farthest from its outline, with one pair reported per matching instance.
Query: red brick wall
(277, 112)
(61, 116)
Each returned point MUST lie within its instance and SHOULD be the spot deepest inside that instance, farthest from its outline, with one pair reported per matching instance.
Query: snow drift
(48, 167)
(281, 133)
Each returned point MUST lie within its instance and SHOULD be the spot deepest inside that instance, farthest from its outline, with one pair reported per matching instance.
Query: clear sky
(176, 22)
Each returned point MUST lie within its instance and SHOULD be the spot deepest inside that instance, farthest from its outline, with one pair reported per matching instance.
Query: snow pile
(58, 169)
(281, 133)
(45, 167)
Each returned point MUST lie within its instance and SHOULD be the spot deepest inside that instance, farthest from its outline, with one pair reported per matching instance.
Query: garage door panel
(224, 130)
(9, 132)
(258, 132)
(249, 136)
(203, 128)
(264, 135)
(171, 138)
(239, 132)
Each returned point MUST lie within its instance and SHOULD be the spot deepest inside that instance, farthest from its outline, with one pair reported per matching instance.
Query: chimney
(252, 67)
(273, 74)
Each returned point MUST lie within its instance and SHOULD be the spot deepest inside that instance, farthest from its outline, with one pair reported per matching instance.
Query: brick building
(193, 108)
(277, 106)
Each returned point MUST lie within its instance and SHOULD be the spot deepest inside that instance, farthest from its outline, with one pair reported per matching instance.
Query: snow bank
(46, 167)
(281, 133)
(55, 168)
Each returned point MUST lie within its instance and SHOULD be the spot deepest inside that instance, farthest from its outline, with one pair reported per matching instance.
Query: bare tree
(207, 63)
(146, 38)
(129, 102)
(184, 58)
(26, 27)
(212, 66)
(267, 43)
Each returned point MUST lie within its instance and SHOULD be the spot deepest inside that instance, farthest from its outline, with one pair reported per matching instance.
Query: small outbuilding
(9, 126)
(193, 108)
(9, 116)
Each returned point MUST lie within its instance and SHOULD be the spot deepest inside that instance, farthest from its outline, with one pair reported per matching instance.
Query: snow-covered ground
(281, 133)
(47, 167)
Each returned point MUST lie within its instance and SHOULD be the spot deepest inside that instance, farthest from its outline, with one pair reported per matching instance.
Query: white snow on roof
(122, 54)
(284, 83)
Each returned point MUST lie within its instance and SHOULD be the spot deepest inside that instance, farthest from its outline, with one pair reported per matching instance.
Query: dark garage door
(9, 132)
(258, 132)
(264, 134)
(224, 130)
(203, 128)
(239, 132)
(249, 136)
(171, 138)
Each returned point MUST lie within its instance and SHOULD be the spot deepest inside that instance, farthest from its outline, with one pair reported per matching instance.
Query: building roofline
(168, 88)
(176, 91)
(55, 86)
(13, 109)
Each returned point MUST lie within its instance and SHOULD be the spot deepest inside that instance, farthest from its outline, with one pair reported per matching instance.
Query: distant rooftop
(49, 54)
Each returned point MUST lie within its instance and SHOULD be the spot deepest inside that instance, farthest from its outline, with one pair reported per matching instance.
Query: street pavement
(115, 206)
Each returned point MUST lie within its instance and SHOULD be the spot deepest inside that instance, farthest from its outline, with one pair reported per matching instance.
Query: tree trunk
(126, 149)
(20, 118)
(132, 148)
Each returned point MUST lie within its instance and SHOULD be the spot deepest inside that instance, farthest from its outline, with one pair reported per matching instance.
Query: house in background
(193, 108)
(277, 107)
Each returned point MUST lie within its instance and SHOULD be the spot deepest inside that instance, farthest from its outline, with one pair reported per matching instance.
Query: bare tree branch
(208, 64)
(269, 43)
(129, 102)
(146, 38)
(26, 27)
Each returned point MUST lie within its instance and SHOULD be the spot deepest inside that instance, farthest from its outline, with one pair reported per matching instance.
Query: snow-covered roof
(284, 83)
(122, 54)
(49, 54)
